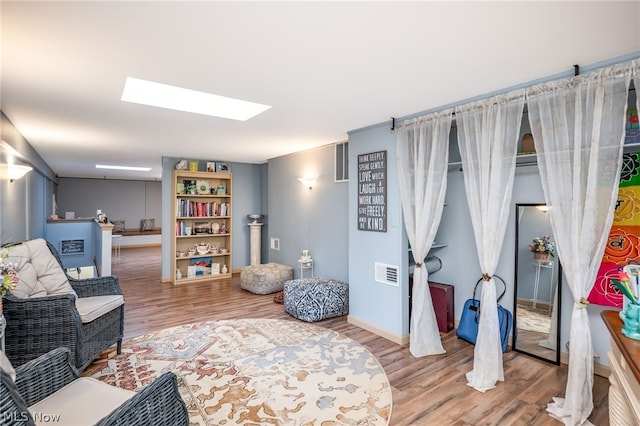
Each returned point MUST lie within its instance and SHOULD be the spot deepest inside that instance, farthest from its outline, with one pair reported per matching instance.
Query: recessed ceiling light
(136, 169)
(180, 99)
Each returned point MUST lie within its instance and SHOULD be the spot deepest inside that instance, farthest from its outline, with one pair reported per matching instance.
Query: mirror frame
(514, 340)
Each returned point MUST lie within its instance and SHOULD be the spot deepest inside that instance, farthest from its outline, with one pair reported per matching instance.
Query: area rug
(257, 372)
(534, 319)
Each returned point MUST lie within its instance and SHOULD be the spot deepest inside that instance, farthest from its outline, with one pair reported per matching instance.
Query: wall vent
(386, 274)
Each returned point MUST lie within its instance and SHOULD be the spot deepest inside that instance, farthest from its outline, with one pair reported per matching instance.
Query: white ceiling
(325, 68)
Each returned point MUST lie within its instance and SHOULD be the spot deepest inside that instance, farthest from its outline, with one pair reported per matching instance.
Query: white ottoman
(266, 278)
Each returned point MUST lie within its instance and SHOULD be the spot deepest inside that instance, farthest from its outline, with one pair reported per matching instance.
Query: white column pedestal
(255, 247)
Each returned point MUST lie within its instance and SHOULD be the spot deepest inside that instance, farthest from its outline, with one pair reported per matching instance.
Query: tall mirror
(536, 308)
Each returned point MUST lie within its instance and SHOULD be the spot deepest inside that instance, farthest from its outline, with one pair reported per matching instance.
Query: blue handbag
(470, 318)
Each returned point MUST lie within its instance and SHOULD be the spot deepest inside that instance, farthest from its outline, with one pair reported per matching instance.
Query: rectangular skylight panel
(177, 98)
(133, 168)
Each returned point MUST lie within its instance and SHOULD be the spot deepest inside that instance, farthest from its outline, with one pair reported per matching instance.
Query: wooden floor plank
(426, 391)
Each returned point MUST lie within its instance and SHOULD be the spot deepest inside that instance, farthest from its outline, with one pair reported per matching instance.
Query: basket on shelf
(541, 256)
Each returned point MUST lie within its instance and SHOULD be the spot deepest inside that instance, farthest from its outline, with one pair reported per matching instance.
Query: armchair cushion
(91, 308)
(83, 401)
(39, 273)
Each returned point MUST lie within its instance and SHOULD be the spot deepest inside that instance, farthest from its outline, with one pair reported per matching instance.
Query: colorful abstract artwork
(623, 244)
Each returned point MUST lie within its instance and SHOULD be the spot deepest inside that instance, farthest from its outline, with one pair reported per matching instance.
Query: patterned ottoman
(266, 278)
(315, 299)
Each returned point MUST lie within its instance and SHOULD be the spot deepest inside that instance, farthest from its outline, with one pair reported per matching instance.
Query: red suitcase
(442, 297)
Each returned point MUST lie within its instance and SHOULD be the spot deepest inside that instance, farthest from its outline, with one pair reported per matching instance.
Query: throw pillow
(118, 226)
(147, 224)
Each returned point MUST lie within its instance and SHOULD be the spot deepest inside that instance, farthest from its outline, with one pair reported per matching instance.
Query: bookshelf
(201, 226)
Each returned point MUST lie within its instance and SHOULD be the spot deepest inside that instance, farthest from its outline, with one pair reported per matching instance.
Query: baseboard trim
(122, 247)
(400, 340)
(598, 369)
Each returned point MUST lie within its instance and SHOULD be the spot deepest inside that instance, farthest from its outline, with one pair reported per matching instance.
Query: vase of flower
(8, 276)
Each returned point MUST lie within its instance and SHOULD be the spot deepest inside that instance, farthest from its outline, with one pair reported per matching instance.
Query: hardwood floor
(426, 391)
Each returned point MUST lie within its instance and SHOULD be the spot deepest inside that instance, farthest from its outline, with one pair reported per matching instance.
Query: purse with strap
(470, 318)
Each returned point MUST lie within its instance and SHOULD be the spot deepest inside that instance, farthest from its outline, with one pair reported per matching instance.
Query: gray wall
(26, 203)
(128, 200)
(303, 219)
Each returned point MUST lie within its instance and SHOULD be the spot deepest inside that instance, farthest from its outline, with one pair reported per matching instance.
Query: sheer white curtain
(423, 156)
(487, 136)
(578, 128)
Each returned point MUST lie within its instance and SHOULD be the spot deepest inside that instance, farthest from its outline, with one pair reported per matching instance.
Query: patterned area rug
(257, 371)
(534, 319)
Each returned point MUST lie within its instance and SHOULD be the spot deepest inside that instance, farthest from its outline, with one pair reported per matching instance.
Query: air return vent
(386, 274)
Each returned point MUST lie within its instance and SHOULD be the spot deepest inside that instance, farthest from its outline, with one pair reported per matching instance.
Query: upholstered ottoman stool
(266, 278)
(315, 299)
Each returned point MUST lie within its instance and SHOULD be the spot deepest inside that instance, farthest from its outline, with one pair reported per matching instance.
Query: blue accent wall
(86, 231)
(303, 219)
(380, 305)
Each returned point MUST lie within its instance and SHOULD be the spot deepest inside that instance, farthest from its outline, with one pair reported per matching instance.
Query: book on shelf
(190, 208)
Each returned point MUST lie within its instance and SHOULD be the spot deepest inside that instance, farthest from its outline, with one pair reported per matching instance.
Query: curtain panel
(488, 133)
(423, 154)
(578, 130)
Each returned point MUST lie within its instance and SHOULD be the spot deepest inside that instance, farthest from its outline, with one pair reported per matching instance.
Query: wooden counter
(624, 361)
(629, 348)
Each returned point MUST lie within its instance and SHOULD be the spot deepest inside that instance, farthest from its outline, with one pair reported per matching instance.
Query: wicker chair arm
(45, 308)
(157, 404)
(35, 310)
(99, 286)
(37, 325)
(40, 377)
(13, 409)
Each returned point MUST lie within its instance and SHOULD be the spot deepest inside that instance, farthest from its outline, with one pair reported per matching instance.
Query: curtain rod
(576, 72)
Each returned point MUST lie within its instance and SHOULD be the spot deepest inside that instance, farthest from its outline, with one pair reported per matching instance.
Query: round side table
(305, 264)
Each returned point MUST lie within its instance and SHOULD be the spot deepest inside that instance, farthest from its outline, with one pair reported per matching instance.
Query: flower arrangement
(543, 245)
(7, 273)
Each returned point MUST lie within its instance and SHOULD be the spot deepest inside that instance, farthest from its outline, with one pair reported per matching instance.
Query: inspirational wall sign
(372, 191)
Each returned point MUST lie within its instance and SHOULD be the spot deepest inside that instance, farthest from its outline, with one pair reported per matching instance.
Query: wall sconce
(308, 182)
(544, 208)
(14, 171)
